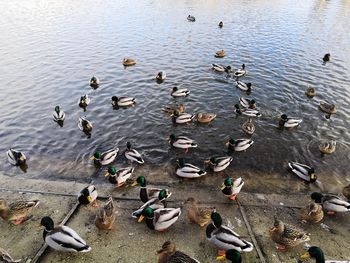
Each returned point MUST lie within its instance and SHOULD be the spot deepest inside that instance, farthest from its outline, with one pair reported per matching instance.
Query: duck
(221, 24)
(17, 212)
(5, 257)
(191, 18)
(198, 214)
(310, 92)
(327, 107)
(287, 236)
(327, 57)
(346, 192)
(133, 155)
(16, 157)
(239, 145)
(176, 92)
(88, 195)
(327, 147)
(181, 118)
(118, 177)
(247, 87)
(220, 68)
(248, 127)
(94, 82)
(247, 112)
(160, 219)
(220, 54)
(233, 255)
(169, 254)
(219, 164)
(181, 142)
(106, 215)
(84, 101)
(129, 62)
(62, 238)
(147, 193)
(106, 157)
(58, 114)
(240, 72)
(122, 101)
(289, 122)
(247, 103)
(84, 124)
(205, 117)
(231, 188)
(172, 108)
(188, 170)
(224, 238)
(312, 213)
(317, 254)
(331, 203)
(161, 76)
(303, 171)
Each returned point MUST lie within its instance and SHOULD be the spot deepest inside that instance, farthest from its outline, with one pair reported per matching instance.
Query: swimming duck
(287, 236)
(247, 103)
(221, 24)
(146, 193)
(331, 203)
(118, 177)
(233, 255)
(169, 254)
(248, 127)
(191, 18)
(106, 215)
(328, 108)
(172, 108)
(132, 154)
(303, 171)
(346, 192)
(205, 117)
(181, 142)
(289, 122)
(58, 114)
(18, 211)
(240, 72)
(94, 82)
(188, 170)
(160, 219)
(312, 213)
(179, 92)
(326, 57)
(84, 101)
(62, 238)
(310, 92)
(122, 101)
(247, 111)
(198, 215)
(180, 118)
(16, 157)
(317, 254)
(239, 145)
(6, 258)
(225, 238)
(220, 68)
(129, 62)
(219, 164)
(231, 188)
(84, 124)
(220, 54)
(88, 195)
(161, 76)
(106, 157)
(247, 87)
(327, 147)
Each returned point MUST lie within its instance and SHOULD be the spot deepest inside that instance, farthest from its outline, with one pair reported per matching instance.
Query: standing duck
(6, 258)
(94, 82)
(219, 164)
(106, 157)
(331, 203)
(62, 238)
(129, 62)
(122, 101)
(327, 147)
(106, 215)
(247, 112)
(317, 254)
(181, 142)
(161, 76)
(248, 127)
(16, 157)
(58, 115)
(181, 118)
(147, 193)
(188, 170)
(118, 177)
(191, 18)
(312, 213)
(198, 215)
(85, 125)
(84, 101)
(176, 92)
(240, 72)
(169, 254)
(160, 219)
(133, 155)
(288, 122)
(231, 188)
(220, 54)
(17, 212)
(303, 171)
(239, 145)
(88, 195)
(247, 87)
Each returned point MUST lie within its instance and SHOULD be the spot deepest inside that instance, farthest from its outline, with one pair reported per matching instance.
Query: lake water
(50, 49)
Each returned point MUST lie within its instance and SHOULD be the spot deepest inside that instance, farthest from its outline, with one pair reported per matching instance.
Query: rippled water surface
(50, 49)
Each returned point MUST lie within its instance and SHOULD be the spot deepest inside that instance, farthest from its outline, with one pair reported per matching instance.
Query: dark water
(50, 49)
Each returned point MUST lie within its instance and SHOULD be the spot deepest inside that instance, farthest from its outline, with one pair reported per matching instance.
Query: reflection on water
(51, 49)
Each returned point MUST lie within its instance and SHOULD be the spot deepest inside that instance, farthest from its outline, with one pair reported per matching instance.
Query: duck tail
(85, 249)
(248, 247)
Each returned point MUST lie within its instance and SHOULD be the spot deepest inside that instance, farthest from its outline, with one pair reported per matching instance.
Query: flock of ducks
(154, 208)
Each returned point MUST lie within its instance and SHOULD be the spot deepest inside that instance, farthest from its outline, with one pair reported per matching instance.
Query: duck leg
(281, 247)
(232, 197)
(331, 213)
(21, 220)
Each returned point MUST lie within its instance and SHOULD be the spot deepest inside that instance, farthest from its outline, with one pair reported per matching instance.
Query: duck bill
(305, 256)
(89, 198)
(223, 186)
(134, 183)
(141, 218)
(106, 174)
(92, 158)
(169, 194)
(221, 258)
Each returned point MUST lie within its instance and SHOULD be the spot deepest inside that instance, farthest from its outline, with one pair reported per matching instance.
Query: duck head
(227, 183)
(317, 197)
(216, 219)
(111, 171)
(314, 252)
(48, 223)
(233, 255)
(141, 180)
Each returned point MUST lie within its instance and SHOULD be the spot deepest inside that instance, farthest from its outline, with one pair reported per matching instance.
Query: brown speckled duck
(106, 215)
(312, 213)
(169, 254)
(198, 215)
(17, 212)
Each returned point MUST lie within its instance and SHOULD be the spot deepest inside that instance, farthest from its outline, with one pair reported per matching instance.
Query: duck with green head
(231, 188)
(88, 195)
(181, 118)
(219, 164)
(181, 142)
(188, 170)
(232, 255)
(147, 193)
(58, 114)
(133, 155)
(317, 254)
(160, 219)
(106, 157)
(94, 82)
(118, 177)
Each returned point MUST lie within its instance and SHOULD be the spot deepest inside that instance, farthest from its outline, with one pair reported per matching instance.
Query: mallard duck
(84, 124)
(188, 170)
(181, 142)
(310, 92)
(240, 72)
(94, 82)
(88, 195)
(180, 118)
(317, 254)
(219, 164)
(224, 238)
(161, 76)
(106, 215)
(327, 147)
(231, 188)
(147, 193)
(122, 101)
(58, 114)
(233, 255)
(160, 219)
(132, 154)
(248, 127)
(129, 62)
(327, 107)
(6, 258)
(169, 254)
(16, 157)
(247, 87)
(247, 103)
(326, 57)
(172, 108)
(84, 101)
(220, 68)
(331, 203)
(62, 238)
(287, 236)
(247, 111)
(220, 54)
(239, 145)
(198, 215)
(303, 171)
(106, 157)
(289, 122)
(17, 212)
(118, 177)
(179, 92)
(312, 213)
(346, 192)
(205, 117)
(221, 24)
(191, 18)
